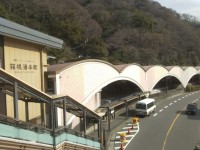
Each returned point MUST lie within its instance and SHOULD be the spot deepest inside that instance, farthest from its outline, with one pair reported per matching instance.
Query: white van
(145, 107)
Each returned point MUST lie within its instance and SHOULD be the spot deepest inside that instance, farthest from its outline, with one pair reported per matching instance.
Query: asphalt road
(169, 128)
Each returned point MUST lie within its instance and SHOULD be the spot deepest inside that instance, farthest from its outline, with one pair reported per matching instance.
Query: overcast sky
(191, 7)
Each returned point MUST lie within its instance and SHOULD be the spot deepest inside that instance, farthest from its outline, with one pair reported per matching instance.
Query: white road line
(130, 124)
(117, 137)
(126, 131)
(160, 110)
(129, 127)
(165, 106)
(179, 99)
(175, 101)
(155, 115)
(120, 141)
(183, 97)
(170, 103)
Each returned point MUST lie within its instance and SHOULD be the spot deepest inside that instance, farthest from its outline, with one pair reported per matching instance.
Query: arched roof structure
(84, 78)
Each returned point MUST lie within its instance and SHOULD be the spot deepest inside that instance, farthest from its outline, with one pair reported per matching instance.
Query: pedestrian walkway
(121, 124)
(130, 130)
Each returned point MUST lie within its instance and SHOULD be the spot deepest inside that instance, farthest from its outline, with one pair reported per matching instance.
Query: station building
(23, 55)
(27, 114)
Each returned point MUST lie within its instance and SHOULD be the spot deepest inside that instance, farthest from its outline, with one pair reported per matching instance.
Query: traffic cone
(121, 146)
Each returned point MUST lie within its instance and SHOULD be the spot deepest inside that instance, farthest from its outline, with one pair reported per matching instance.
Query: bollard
(121, 146)
(128, 131)
(122, 139)
(132, 126)
(135, 120)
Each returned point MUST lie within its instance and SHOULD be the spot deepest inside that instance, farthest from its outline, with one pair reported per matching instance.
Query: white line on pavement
(124, 141)
(166, 106)
(160, 110)
(128, 127)
(170, 103)
(117, 137)
(126, 131)
(155, 115)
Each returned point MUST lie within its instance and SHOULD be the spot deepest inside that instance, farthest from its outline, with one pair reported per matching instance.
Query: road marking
(170, 103)
(129, 124)
(168, 132)
(127, 131)
(128, 127)
(179, 99)
(124, 141)
(165, 106)
(118, 137)
(160, 110)
(175, 101)
(155, 115)
(163, 148)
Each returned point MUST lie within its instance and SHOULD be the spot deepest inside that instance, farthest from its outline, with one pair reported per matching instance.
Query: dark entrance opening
(118, 90)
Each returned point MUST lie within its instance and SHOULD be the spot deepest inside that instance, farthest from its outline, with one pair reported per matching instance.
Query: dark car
(191, 109)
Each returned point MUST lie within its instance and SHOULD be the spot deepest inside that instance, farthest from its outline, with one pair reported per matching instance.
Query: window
(50, 85)
(140, 106)
(150, 105)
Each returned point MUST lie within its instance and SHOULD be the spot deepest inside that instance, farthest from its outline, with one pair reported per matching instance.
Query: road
(169, 128)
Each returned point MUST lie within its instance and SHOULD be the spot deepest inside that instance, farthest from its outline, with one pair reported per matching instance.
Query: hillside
(117, 31)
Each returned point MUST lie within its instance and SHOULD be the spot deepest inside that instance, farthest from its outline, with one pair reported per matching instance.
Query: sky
(191, 7)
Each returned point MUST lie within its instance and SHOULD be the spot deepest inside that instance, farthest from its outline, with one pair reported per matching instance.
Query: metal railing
(24, 125)
(41, 129)
(61, 130)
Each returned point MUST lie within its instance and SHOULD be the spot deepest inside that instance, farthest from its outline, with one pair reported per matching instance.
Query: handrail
(24, 125)
(64, 129)
(41, 129)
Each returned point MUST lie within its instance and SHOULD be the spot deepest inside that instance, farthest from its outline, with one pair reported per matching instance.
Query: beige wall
(26, 61)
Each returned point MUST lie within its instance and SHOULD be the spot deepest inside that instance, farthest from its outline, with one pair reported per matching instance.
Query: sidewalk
(116, 125)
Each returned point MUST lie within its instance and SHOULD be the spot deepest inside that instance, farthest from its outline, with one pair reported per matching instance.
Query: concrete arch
(99, 87)
(136, 73)
(166, 76)
(80, 80)
(177, 72)
(189, 72)
(84, 77)
(153, 77)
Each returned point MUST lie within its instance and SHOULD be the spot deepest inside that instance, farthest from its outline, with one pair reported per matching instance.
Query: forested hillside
(117, 31)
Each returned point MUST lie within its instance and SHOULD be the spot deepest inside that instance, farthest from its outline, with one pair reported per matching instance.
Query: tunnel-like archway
(117, 90)
(195, 80)
(168, 83)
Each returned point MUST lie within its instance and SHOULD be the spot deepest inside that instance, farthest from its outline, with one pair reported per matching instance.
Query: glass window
(140, 106)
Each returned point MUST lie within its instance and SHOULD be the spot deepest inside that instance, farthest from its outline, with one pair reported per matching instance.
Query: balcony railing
(24, 125)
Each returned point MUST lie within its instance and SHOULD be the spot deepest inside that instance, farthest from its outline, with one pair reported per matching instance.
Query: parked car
(191, 109)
